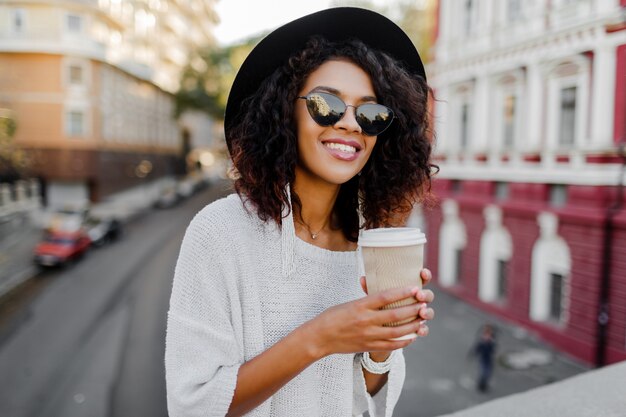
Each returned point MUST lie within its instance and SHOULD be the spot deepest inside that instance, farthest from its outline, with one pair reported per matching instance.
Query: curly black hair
(398, 172)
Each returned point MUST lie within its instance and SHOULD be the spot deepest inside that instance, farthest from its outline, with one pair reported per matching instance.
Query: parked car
(103, 230)
(61, 248)
(168, 197)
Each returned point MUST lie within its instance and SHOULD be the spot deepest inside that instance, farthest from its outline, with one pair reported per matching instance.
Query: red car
(59, 248)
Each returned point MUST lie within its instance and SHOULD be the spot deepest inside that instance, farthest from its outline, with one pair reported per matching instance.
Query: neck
(317, 202)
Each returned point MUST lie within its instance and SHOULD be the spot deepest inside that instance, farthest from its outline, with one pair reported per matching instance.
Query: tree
(13, 161)
(416, 17)
(207, 79)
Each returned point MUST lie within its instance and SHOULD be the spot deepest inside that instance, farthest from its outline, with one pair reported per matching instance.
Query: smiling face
(334, 154)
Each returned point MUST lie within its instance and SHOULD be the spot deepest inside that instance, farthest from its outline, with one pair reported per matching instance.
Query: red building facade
(530, 121)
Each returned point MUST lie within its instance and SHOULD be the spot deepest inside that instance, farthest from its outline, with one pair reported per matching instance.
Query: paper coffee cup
(392, 258)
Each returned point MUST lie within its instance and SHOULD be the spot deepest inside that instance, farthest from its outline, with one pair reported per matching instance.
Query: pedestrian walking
(484, 350)
(327, 127)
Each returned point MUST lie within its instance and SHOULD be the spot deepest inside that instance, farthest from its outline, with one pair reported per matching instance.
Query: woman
(267, 316)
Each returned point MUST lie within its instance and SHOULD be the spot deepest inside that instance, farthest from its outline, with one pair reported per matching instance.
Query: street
(92, 342)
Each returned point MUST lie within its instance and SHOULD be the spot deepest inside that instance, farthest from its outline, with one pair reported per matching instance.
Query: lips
(345, 150)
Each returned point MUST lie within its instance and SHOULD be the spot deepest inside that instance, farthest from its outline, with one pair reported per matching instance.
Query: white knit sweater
(240, 286)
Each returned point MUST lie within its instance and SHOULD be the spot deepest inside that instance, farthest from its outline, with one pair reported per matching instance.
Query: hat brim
(335, 24)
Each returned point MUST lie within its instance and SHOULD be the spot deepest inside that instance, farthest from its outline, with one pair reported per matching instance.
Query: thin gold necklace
(313, 235)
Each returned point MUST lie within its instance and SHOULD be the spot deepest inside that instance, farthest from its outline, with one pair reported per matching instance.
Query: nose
(348, 120)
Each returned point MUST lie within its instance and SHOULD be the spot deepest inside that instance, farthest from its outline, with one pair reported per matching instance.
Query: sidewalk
(441, 375)
(600, 393)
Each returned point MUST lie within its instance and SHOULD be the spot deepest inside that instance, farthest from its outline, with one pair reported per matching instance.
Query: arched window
(508, 101)
(496, 249)
(568, 103)
(550, 273)
(452, 241)
(461, 117)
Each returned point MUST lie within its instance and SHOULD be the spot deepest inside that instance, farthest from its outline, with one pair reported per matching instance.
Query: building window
(76, 74)
(458, 263)
(558, 195)
(465, 122)
(496, 250)
(18, 21)
(502, 191)
(567, 123)
(502, 279)
(568, 103)
(468, 17)
(508, 125)
(551, 266)
(75, 123)
(74, 23)
(452, 241)
(456, 187)
(556, 296)
(513, 10)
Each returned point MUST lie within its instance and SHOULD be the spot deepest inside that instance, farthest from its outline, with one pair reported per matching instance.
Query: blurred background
(111, 139)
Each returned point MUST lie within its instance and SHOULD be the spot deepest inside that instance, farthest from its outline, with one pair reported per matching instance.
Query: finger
(388, 345)
(425, 296)
(394, 315)
(389, 333)
(426, 275)
(364, 284)
(423, 330)
(426, 313)
(386, 297)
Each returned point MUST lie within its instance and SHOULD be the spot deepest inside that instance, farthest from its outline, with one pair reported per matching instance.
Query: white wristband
(376, 367)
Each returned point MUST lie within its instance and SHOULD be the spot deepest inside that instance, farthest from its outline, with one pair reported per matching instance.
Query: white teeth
(340, 147)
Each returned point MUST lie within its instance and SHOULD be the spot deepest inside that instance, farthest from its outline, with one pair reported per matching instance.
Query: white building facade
(91, 85)
(530, 103)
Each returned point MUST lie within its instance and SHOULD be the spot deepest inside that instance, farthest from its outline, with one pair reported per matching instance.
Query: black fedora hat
(335, 24)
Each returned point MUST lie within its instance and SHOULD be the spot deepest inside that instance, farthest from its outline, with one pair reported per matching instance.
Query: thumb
(364, 285)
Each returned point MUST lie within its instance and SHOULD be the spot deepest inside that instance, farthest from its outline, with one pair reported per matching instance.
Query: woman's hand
(423, 296)
(357, 326)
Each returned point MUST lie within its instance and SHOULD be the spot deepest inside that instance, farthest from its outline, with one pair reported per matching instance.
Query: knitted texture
(240, 286)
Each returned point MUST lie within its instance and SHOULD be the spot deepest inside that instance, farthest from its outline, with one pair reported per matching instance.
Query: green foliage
(13, 161)
(416, 17)
(206, 81)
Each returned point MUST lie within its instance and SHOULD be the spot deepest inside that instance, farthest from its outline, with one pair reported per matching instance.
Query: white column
(530, 139)
(442, 121)
(480, 113)
(603, 95)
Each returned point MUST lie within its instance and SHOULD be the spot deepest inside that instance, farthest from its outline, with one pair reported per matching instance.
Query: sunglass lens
(374, 118)
(325, 109)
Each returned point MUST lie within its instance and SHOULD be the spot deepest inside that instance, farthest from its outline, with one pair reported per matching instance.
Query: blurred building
(91, 85)
(530, 122)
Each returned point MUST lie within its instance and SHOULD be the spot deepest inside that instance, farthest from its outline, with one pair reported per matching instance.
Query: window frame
(580, 78)
(86, 121)
(66, 24)
(12, 19)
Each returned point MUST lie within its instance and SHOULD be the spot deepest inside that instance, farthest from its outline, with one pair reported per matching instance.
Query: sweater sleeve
(384, 401)
(202, 356)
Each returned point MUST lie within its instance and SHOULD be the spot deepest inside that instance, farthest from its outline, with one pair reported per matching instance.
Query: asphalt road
(91, 344)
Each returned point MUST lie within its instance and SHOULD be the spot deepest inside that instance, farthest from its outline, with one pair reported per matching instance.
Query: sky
(240, 19)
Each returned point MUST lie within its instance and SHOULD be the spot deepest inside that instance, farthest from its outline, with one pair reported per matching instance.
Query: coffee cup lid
(391, 236)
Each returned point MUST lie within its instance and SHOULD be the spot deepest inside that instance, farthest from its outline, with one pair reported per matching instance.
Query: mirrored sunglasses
(326, 109)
